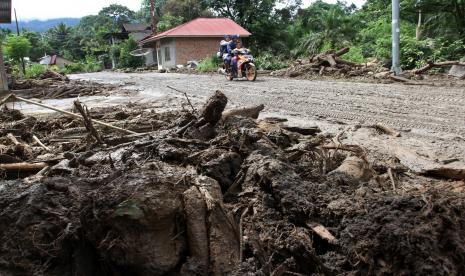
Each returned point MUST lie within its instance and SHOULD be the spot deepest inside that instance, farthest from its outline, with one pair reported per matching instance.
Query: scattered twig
(187, 97)
(88, 121)
(2, 102)
(40, 143)
(391, 176)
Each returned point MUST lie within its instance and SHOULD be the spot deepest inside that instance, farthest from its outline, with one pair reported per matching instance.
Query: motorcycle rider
(239, 50)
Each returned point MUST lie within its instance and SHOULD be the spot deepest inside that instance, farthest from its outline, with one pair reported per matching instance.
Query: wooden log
(342, 52)
(322, 231)
(23, 166)
(353, 169)
(332, 60)
(430, 65)
(213, 109)
(250, 112)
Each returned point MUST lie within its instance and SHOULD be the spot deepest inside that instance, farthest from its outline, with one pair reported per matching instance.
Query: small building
(51, 60)
(138, 31)
(193, 40)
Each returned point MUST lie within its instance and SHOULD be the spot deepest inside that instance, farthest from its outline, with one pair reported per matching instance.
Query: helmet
(226, 36)
(235, 36)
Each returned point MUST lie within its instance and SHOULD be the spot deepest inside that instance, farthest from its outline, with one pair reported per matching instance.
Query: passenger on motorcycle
(223, 53)
(230, 48)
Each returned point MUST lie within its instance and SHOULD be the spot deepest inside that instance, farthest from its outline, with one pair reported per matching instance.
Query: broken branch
(187, 97)
(23, 166)
(40, 143)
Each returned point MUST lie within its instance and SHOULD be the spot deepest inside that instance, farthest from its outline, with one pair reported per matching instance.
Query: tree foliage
(17, 47)
(430, 29)
(118, 14)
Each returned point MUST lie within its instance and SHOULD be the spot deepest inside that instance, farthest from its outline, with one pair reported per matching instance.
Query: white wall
(164, 46)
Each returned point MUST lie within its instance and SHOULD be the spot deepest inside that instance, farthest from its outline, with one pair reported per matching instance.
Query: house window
(167, 54)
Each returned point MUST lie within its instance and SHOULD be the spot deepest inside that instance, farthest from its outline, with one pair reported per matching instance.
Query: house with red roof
(193, 40)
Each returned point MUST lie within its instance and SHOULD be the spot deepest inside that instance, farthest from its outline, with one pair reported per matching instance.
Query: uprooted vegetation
(332, 64)
(213, 192)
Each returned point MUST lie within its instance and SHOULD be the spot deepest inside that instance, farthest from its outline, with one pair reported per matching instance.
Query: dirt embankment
(202, 193)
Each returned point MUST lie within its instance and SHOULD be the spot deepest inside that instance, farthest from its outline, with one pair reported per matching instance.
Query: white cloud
(46, 9)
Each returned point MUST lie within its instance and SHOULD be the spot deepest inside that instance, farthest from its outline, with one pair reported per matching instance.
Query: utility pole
(396, 37)
(17, 31)
(152, 15)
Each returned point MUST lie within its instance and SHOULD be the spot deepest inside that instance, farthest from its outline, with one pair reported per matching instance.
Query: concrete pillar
(396, 37)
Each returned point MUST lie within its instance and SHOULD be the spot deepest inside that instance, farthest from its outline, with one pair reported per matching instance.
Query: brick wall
(195, 48)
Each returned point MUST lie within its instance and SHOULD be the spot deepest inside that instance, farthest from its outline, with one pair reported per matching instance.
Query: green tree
(17, 47)
(118, 14)
(57, 37)
(186, 9)
(39, 47)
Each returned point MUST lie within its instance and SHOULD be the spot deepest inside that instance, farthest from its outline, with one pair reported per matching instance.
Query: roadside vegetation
(431, 30)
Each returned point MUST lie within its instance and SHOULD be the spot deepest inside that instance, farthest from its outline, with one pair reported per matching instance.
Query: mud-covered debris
(197, 195)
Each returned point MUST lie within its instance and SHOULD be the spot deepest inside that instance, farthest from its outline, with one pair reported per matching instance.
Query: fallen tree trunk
(432, 65)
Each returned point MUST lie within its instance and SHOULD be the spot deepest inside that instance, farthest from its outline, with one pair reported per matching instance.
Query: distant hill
(41, 25)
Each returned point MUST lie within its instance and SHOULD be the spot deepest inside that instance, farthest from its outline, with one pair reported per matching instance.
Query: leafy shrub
(74, 68)
(355, 55)
(34, 70)
(92, 66)
(209, 64)
(268, 61)
(125, 58)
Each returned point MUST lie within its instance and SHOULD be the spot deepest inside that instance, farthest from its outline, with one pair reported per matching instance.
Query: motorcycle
(245, 67)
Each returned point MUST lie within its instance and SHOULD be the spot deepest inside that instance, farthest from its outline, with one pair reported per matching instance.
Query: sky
(47, 9)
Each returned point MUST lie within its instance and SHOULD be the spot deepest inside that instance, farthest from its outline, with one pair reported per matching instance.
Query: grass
(34, 70)
(209, 64)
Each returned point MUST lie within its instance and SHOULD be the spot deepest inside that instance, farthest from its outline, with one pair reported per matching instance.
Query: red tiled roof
(202, 27)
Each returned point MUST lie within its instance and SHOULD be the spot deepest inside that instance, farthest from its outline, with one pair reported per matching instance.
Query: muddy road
(431, 119)
(419, 108)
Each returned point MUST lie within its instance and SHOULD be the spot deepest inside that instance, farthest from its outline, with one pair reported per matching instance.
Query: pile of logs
(327, 63)
(54, 88)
